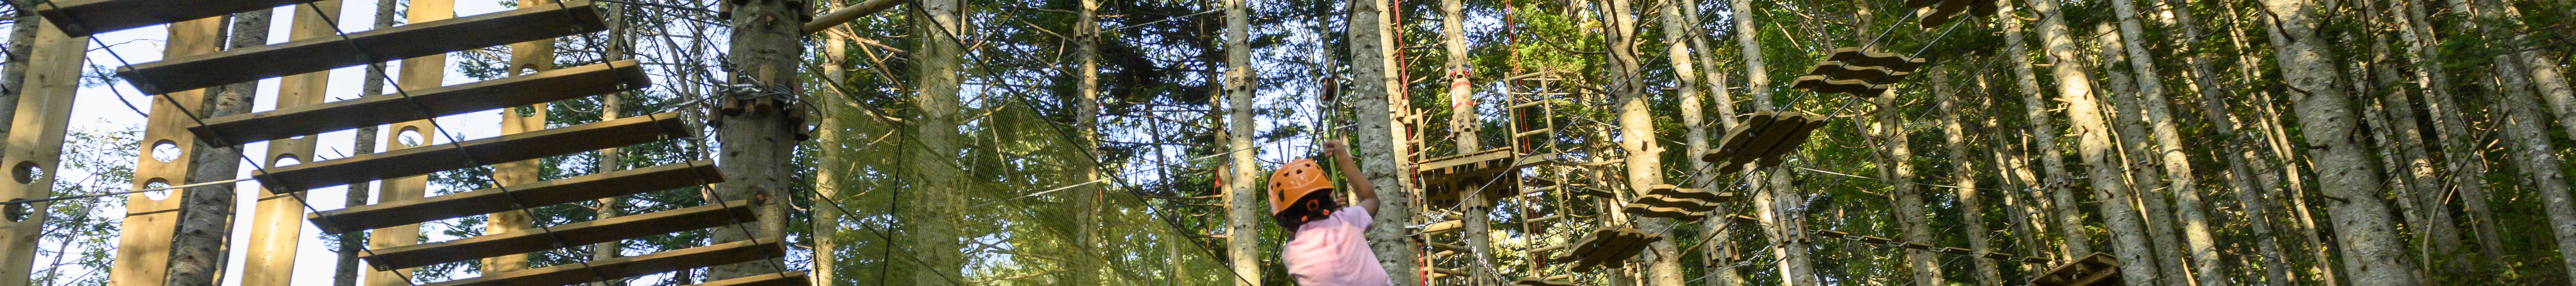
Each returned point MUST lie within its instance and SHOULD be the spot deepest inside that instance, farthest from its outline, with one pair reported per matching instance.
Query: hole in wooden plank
(165, 151)
(283, 160)
(156, 195)
(409, 137)
(26, 172)
(14, 212)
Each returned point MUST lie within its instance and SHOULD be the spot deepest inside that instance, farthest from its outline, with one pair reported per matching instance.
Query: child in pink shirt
(1326, 245)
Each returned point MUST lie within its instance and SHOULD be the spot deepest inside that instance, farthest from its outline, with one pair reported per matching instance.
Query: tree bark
(1720, 272)
(2372, 252)
(2077, 241)
(1910, 216)
(13, 70)
(197, 254)
(1972, 209)
(1243, 198)
(1087, 119)
(940, 22)
(2182, 183)
(758, 144)
(2144, 176)
(1377, 143)
(2094, 144)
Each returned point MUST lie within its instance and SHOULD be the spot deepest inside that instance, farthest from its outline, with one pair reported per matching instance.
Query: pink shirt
(1334, 252)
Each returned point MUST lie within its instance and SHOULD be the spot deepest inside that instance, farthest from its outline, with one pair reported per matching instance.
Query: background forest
(1122, 142)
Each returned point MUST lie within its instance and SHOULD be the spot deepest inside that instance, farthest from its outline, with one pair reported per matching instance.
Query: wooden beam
(322, 54)
(143, 242)
(81, 18)
(624, 267)
(560, 191)
(571, 234)
(433, 158)
(416, 74)
(790, 278)
(276, 224)
(542, 87)
(35, 147)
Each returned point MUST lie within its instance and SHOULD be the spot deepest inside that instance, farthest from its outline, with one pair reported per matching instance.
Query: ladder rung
(484, 201)
(441, 157)
(1449, 247)
(624, 267)
(325, 53)
(85, 17)
(541, 87)
(579, 233)
(790, 278)
(1533, 132)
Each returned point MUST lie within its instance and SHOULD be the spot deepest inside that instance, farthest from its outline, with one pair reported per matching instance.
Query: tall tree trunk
(1243, 213)
(525, 58)
(2268, 127)
(1643, 155)
(2552, 87)
(2182, 184)
(2523, 127)
(2077, 241)
(2094, 144)
(2144, 176)
(934, 219)
(2416, 34)
(1972, 209)
(1773, 203)
(611, 106)
(1464, 126)
(1377, 142)
(2372, 252)
(197, 254)
(13, 70)
(758, 143)
(1087, 119)
(2240, 174)
(1895, 164)
(1720, 272)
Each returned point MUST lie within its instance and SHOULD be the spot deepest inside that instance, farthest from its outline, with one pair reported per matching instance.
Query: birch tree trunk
(1377, 142)
(2094, 144)
(13, 70)
(935, 213)
(1895, 165)
(1720, 272)
(2372, 252)
(1087, 199)
(197, 252)
(2182, 184)
(2552, 88)
(1972, 209)
(2416, 34)
(1243, 198)
(2043, 132)
(2144, 177)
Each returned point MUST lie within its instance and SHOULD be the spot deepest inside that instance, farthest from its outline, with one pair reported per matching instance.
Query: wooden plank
(624, 267)
(143, 240)
(1873, 75)
(81, 18)
(505, 148)
(36, 144)
(1853, 87)
(571, 234)
(416, 74)
(1856, 56)
(560, 191)
(790, 278)
(322, 54)
(1772, 159)
(277, 224)
(542, 87)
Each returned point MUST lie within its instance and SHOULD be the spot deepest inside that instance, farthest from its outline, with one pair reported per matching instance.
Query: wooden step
(572, 234)
(790, 278)
(1773, 159)
(1681, 214)
(484, 201)
(1740, 135)
(505, 148)
(624, 267)
(540, 87)
(79, 18)
(325, 53)
(1870, 74)
(1856, 56)
(1854, 87)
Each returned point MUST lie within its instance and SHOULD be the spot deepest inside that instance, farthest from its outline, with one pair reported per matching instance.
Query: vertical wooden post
(417, 73)
(525, 58)
(143, 244)
(36, 146)
(278, 220)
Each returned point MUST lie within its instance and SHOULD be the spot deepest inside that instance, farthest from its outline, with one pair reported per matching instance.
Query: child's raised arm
(1350, 168)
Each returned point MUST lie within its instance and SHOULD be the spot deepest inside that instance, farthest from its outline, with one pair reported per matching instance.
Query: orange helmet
(1295, 181)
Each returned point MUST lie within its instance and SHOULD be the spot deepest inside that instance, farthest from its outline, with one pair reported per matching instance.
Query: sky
(106, 107)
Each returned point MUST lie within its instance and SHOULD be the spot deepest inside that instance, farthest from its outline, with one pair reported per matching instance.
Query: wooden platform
(321, 54)
(1765, 138)
(1868, 74)
(2093, 270)
(505, 148)
(1607, 247)
(540, 87)
(79, 18)
(1857, 56)
(1823, 84)
(625, 267)
(1489, 171)
(484, 201)
(574, 234)
(791, 278)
